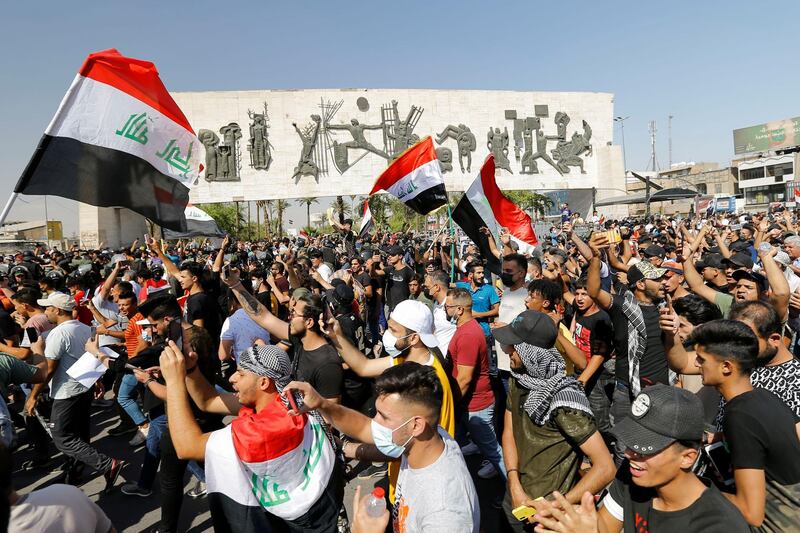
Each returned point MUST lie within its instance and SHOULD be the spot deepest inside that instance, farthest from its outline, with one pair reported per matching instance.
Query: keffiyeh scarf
(637, 339)
(550, 388)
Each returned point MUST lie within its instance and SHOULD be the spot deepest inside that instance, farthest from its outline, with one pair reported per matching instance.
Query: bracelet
(508, 471)
(148, 382)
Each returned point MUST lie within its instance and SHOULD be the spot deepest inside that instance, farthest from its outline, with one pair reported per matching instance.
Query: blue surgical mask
(382, 436)
(147, 336)
(389, 342)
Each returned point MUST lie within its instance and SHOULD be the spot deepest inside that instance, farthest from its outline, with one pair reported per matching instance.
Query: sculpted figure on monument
(497, 142)
(211, 142)
(445, 157)
(466, 143)
(228, 157)
(568, 153)
(259, 146)
(402, 132)
(307, 166)
(359, 142)
(562, 120)
(529, 158)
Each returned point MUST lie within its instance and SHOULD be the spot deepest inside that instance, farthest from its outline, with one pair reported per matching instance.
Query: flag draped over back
(484, 204)
(366, 222)
(118, 139)
(198, 224)
(415, 178)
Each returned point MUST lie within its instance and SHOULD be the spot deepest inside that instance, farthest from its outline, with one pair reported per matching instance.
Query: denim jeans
(129, 389)
(480, 425)
(152, 452)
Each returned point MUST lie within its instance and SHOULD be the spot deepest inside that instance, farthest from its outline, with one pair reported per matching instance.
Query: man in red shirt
(470, 362)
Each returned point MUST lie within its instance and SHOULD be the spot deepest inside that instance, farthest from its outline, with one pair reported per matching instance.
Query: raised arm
(255, 309)
(492, 243)
(778, 285)
(110, 281)
(357, 361)
(351, 423)
(695, 280)
(597, 242)
(169, 266)
(218, 260)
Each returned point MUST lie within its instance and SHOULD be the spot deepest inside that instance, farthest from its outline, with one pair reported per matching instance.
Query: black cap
(712, 261)
(314, 252)
(395, 250)
(752, 276)
(340, 296)
(739, 246)
(740, 260)
(661, 415)
(531, 327)
(654, 250)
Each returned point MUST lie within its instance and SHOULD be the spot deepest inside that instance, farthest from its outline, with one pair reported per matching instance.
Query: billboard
(776, 135)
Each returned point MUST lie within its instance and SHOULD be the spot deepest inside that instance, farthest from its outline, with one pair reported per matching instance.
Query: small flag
(366, 222)
(797, 192)
(118, 139)
(415, 178)
(198, 224)
(484, 204)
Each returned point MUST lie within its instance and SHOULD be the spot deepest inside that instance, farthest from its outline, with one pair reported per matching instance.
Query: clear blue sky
(714, 65)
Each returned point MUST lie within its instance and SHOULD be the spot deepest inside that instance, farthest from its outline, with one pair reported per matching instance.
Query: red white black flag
(118, 139)
(366, 222)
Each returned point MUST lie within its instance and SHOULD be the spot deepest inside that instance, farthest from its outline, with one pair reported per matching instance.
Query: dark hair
(440, 277)
(519, 259)
(144, 274)
(414, 383)
(193, 268)
(161, 307)
(461, 294)
(688, 444)
(728, 339)
(472, 265)
(696, 310)
(417, 278)
(548, 289)
(580, 283)
(126, 295)
(28, 296)
(536, 262)
(312, 309)
(125, 286)
(763, 316)
(279, 267)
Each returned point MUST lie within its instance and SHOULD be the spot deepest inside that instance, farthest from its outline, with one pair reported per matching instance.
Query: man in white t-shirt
(437, 283)
(512, 303)
(434, 489)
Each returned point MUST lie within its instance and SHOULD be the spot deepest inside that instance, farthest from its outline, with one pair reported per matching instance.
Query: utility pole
(621, 121)
(669, 128)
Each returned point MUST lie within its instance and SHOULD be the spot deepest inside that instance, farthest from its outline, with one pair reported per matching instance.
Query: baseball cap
(739, 246)
(58, 300)
(532, 327)
(711, 261)
(395, 250)
(654, 250)
(739, 260)
(340, 295)
(661, 415)
(314, 252)
(783, 258)
(644, 270)
(752, 276)
(417, 317)
(673, 267)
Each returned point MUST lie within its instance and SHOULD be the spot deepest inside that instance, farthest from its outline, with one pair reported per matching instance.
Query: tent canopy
(664, 195)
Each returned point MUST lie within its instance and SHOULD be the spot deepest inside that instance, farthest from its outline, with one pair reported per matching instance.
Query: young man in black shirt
(313, 359)
(655, 489)
(200, 309)
(761, 432)
(397, 278)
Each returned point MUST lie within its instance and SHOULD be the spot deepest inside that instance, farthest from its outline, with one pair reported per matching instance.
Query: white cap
(59, 300)
(417, 317)
(783, 258)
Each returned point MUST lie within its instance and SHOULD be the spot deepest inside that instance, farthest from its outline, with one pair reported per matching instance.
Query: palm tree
(541, 203)
(341, 209)
(280, 207)
(266, 205)
(308, 200)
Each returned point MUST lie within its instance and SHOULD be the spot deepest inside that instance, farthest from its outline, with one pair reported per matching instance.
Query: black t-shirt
(594, 336)
(202, 306)
(8, 328)
(397, 285)
(719, 288)
(321, 368)
(353, 328)
(710, 513)
(653, 365)
(760, 433)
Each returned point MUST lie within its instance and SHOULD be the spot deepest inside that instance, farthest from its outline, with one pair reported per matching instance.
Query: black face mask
(507, 279)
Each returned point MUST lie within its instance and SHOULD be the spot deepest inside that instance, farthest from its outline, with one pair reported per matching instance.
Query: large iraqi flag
(484, 204)
(266, 462)
(415, 178)
(198, 224)
(118, 139)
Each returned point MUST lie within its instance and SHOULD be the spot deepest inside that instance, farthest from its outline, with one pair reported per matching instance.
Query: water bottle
(376, 504)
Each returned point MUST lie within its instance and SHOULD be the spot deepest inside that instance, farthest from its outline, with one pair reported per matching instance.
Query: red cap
(378, 493)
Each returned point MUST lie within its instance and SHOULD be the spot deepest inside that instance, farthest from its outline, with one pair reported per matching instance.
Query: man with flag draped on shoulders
(266, 471)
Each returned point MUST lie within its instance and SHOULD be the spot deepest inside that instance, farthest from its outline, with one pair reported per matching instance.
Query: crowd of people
(628, 375)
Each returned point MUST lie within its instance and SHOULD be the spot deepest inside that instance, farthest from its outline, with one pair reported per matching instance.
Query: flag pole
(7, 208)
(452, 244)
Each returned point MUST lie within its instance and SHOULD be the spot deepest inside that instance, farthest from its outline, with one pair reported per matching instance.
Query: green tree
(280, 207)
(226, 214)
(307, 201)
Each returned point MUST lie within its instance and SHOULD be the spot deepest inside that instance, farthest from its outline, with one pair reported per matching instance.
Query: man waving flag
(415, 178)
(484, 204)
(118, 139)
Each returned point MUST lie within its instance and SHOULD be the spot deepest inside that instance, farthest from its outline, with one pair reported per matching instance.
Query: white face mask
(390, 341)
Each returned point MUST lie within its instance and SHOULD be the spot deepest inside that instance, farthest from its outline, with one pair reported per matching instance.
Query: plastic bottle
(376, 504)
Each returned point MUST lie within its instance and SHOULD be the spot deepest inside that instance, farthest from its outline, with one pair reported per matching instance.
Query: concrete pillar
(113, 227)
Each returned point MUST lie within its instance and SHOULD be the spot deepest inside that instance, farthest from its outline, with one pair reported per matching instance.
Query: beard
(766, 356)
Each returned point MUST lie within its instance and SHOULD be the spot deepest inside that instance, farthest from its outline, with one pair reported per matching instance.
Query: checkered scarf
(550, 388)
(637, 339)
(267, 361)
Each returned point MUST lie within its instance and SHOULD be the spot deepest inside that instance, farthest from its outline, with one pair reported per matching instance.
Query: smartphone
(613, 235)
(735, 227)
(175, 332)
(33, 334)
(292, 401)
(93, 332)
(226, 270)
(720, 459)
(131, 367)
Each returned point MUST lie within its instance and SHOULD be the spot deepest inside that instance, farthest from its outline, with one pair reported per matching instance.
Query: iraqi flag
(796, 193)
(266, 462)
(118, 139)
(484, 204)
(366, 222)
(198, 224)
(415, 178)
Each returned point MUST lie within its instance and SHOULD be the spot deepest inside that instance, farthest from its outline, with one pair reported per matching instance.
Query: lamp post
(621, 121)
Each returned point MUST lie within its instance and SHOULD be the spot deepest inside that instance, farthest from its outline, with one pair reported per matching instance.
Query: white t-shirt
(439, 498)
(241, 329)
(512, 303)
(325, 272)
(110, 310)
(58, 509)
(65, 344)
(443, 330)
